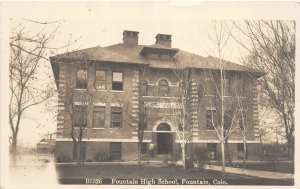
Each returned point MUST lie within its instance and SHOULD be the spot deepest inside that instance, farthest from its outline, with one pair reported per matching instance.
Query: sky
(102, 23)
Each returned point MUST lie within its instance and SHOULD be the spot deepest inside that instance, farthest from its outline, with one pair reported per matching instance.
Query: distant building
(117, 72)
(45, 147)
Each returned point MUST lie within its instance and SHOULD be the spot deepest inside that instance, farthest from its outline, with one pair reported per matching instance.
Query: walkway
(253, 173)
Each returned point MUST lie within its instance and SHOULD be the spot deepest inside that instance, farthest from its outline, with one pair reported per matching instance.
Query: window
(210, 87)
(115, 150)
(144, 148)
(182, 87)
(152, 56)
(211, 151)
(143, 88)
(82, 149)
(242, 120)
(165, 57)
(117, 83)
(239, 87)
(100, 80)
(241, 151)
(163, 88)
(200, 93)
(116, 117)
(226, 87)
(143, 121)
(227, 119)
(98, 117)
(210, 119)
(81, 79)
(80, 116)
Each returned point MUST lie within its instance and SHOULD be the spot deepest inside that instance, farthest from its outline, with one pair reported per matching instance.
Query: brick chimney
(164, 39)
(130, 37)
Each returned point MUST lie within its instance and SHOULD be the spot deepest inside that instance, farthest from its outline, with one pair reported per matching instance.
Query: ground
(280, 167)
(136, 171)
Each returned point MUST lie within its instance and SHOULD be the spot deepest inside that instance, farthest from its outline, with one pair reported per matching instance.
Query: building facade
(109, 93)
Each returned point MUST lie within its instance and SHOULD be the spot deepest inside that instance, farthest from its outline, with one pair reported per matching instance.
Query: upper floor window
(81, 79)
(117, 81)
(116, 117)
(210, 119)
(181, 87)
(80, 116)
(163, 88)
(165, 57)
(100, 80)
(228, 114)
(143, 121)
(98, 117)
(242, 120)
(239, 87)
(226, 87)
(143, 88)
(210, 87)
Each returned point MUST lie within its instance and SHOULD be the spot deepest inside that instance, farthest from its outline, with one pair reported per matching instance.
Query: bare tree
(78, 104)
(179, 110)
(243, 127)
(28, 56)
(138, 124)
(223, 113)
(271, 48)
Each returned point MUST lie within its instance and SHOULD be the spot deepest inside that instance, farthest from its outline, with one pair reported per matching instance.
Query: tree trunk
(74, 150)
(139, 152)
(261, 144)
(78, 158)
(223, 156)
(288, 135)
(228, 153)
(14, 150)
(245, 152)
(183, 156)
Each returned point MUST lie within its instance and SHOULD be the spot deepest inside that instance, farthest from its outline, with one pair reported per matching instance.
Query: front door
(164, 143)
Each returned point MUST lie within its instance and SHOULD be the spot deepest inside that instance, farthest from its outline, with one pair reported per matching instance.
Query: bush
(62, 158)
(175, 156)
(200, 155)
(100, 156)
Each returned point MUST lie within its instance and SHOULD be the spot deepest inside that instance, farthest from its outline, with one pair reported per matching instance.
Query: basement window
(115, 150)
(211, 151)
(117, 83)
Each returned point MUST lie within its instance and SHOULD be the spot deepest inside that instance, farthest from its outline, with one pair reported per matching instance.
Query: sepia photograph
(167, 93)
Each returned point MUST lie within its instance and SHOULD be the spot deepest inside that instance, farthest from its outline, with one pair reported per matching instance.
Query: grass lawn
(137, 172)
(281, 167)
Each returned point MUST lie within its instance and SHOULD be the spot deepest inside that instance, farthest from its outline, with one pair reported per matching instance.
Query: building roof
(133, 54)
(46, 142)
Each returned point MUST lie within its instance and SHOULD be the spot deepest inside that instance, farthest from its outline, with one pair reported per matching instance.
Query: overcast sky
(103, 23)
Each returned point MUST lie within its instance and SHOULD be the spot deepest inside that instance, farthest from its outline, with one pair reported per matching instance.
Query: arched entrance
(164, 139)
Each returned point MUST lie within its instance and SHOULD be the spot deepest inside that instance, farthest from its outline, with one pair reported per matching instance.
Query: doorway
(164, 143)
(164, 139)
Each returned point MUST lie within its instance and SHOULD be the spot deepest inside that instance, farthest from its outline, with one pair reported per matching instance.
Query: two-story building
(121, 82)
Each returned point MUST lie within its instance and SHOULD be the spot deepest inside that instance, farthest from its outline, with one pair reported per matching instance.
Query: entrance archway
(164, 139)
